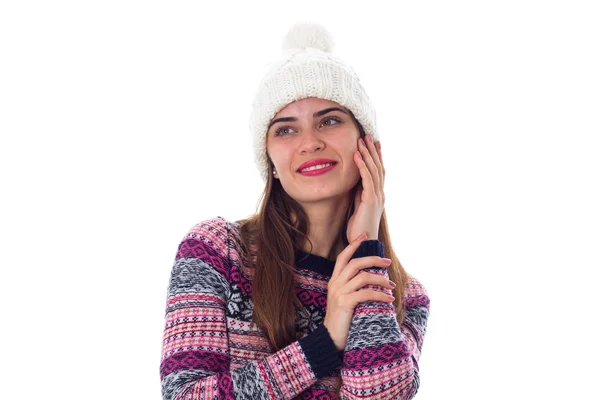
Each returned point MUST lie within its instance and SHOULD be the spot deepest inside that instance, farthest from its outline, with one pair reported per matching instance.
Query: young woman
(305, 299)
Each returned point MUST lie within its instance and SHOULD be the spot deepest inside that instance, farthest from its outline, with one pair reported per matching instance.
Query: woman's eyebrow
(286, 119)
(325, 111)
(315, 115)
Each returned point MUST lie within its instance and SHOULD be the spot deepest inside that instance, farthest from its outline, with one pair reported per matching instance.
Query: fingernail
(362, 142)
(387, 260)
(361, 236)
(370, 138)
(392, 283)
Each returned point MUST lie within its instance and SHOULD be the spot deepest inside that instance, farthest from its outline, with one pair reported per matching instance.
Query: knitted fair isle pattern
(213, 350)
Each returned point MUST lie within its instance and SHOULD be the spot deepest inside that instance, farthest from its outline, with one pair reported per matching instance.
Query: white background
(124, 123)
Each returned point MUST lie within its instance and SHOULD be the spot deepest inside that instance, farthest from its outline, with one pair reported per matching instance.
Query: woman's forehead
(308, 105)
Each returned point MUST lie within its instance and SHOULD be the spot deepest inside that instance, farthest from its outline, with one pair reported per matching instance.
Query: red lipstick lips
(318, 171)
(316, 161)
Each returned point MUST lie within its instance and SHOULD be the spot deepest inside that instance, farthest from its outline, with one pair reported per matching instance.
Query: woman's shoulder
(213, 233)
(217, 228)
(220, 237)
(213, 241)
(219, 232)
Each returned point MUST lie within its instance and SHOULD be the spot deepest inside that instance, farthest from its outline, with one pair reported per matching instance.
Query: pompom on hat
(308, 69)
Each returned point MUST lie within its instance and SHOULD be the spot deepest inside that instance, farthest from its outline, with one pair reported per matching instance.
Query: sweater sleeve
(195, 362)
(381, 356)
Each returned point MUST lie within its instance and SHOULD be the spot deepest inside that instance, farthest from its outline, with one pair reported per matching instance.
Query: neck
(325, 221)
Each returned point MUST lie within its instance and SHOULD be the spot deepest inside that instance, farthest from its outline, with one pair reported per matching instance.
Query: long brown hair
(279, 228)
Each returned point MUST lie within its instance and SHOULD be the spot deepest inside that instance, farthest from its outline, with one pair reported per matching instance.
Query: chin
(313, 195)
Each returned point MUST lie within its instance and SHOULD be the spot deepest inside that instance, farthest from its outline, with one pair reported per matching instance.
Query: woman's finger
(367, 180)
(382, 168)
(366, 295)
(367, 151)
(377, 162)
(367, 278)
(377, 165)
(356, 265)
(345, 255)
(372, 146)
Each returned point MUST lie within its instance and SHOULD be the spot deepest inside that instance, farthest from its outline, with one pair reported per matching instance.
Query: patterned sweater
(213, 350)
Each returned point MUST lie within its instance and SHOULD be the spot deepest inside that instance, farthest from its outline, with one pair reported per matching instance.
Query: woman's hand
(343, 293)
(369, 199)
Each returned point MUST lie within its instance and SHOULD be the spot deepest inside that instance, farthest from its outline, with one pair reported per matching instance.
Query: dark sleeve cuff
(369, 248)
(320, 352)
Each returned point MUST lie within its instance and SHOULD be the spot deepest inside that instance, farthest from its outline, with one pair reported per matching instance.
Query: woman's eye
(327, 122)
(284, 130)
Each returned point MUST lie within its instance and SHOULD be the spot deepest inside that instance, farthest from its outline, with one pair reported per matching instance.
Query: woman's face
(311, 129)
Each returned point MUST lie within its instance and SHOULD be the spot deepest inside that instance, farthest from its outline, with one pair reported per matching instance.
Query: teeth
(316, 167)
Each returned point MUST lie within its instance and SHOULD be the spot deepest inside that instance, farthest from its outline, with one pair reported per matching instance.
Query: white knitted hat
(308, 69)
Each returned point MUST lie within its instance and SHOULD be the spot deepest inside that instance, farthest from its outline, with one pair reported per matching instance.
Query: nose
(310, 142)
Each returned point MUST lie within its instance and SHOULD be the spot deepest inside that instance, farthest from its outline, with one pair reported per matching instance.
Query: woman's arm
(195, 361)
(381, 356)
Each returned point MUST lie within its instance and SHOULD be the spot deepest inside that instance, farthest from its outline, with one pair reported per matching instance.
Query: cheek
(349, 152)
(280, 158)
(351, 164)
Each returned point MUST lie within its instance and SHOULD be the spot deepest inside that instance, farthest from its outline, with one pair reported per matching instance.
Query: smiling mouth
(317, 167)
